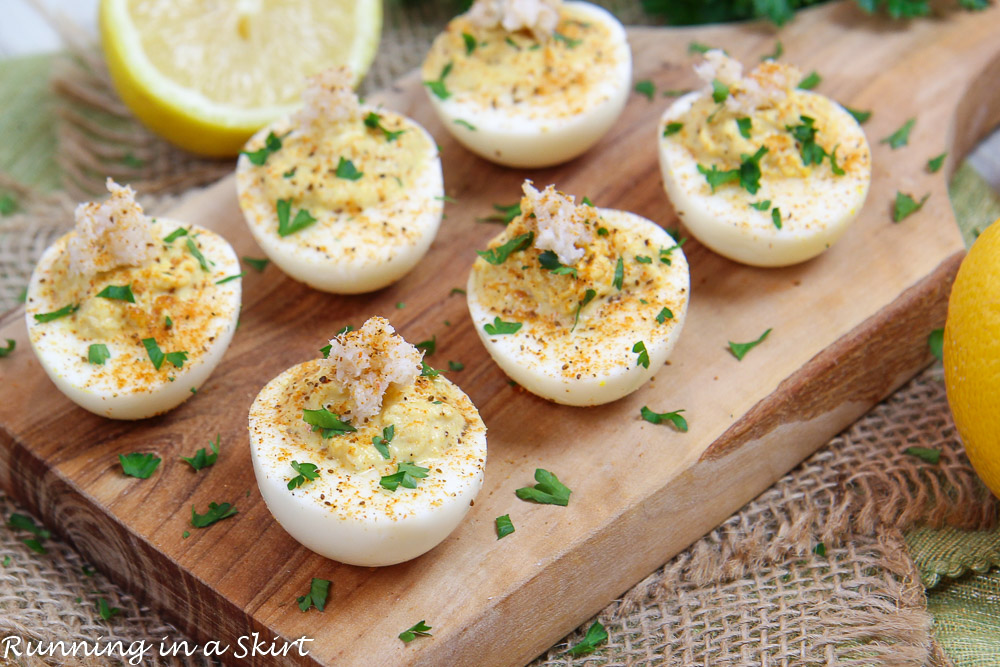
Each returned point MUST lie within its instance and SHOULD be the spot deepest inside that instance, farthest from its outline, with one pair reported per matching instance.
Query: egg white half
(344, 253)
(537, 131)
(594, 363)
(347, 516)
(127, 386)
(815, 211)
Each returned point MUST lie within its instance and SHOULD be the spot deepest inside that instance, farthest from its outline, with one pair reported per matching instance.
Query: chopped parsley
(834, 167)
(586, 201)
(216, 512)
(347, 170)
(805, 136)
(105, 611)
(374, 122)
(456, 290)
(662, 417)
(97, 354)
(698, 47)
(56, 314)
(900, 137)
(24, 522)
(761, 205)
(740, 350)
(906, 206)
(643, 358)
(510, 41)
(231, 278)
(139, 465)
(307, 473)
(157, 357)
(381, 442)
(666, 252)
(927, 454)
(820, 549)
(500, 254)
(779, 50)
(284, 210)
(568, 41)
(428, 346)
(438, 87)
(464, 123)
(203, 459)
(289, 173)
(406, 475)
(549, 260)
(748, 173)
(646, 87)
(664, 315)
(776, 217)
(672, 128)
(810, 80)
(935, 163)
(548, 491)
(167, 322)
(470, 43)
(596, 635)
(720, 91)
(5, 351)
(860, 116)
(744, 125)
(428, 372)
(935, 341)
(588, 296)
(602, 231)
(504, 526)
(259, 157)
(400, 305)
(505, 213)
(327, 422)
(316, 597)
(7, 205)
(499, 327)
(193, 249)
(643, 259)
(174, 235)
(117, 293)
(456, 366)
(418, 630)
(619, 279)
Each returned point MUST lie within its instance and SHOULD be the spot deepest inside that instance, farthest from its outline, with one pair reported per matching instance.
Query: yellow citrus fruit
(972, 355)
(206, 74)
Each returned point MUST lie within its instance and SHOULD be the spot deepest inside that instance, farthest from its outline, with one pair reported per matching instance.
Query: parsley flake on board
(456, 290)
(779, 50)
(744, 125)
(203, 459)
(456, 366)
(117, 293)
(549, 260)
(105, 611)
(382, 442)
(259, 156)
(935, 163)
(174, 235)
(859, 115)
(646, 87)
(588, 296)
(5, 351)
(216, 512)
(418, 630)
(97, 354)
(596, 634)
(307, 473)
(347, 170)
(548, 491)
(56, 314)
(193, 249)
(900, 137)
(698, 47)
(428, 346)
(672, 128)
(619, 279)
(905, 206)
(139, 465)
(935, 341)
(662, 417)
(438, 87)
(643, 359)
(316, 597)
(504, 526)
(327, 422)
(924, 453)
(499, 327)
(810, 81)
(740, 350)
(406, 475)
(664, 315)
(257, 264)
(499, 255)
(24, 522)
(374, 122)
(504, 213)
(302, 219)
(776, 217)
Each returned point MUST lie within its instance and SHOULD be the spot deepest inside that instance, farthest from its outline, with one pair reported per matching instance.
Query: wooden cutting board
(848, 328)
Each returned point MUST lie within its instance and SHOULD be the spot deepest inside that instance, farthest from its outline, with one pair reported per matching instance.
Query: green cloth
(28, 122)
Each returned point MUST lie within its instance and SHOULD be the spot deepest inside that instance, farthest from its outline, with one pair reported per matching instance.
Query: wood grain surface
(848, 328)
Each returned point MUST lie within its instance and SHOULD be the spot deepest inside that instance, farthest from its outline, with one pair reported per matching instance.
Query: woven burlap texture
(755, 591)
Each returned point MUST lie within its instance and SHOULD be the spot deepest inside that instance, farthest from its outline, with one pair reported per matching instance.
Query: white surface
(25, 31)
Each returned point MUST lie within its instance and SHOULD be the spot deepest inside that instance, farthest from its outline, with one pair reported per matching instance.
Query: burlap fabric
(816, 570)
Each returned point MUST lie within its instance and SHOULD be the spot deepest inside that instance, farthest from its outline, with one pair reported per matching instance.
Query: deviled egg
(760, 171)
(529, 83)
(367, 456)
(344, 197)
(577, 304)
(129, 315)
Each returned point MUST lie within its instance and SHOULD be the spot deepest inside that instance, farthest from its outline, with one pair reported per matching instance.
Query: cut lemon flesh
(206, 75)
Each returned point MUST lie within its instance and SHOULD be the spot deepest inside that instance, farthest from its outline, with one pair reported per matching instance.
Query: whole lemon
(972, 355)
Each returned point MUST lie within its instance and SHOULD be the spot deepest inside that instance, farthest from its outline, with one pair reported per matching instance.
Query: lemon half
(205, 75)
